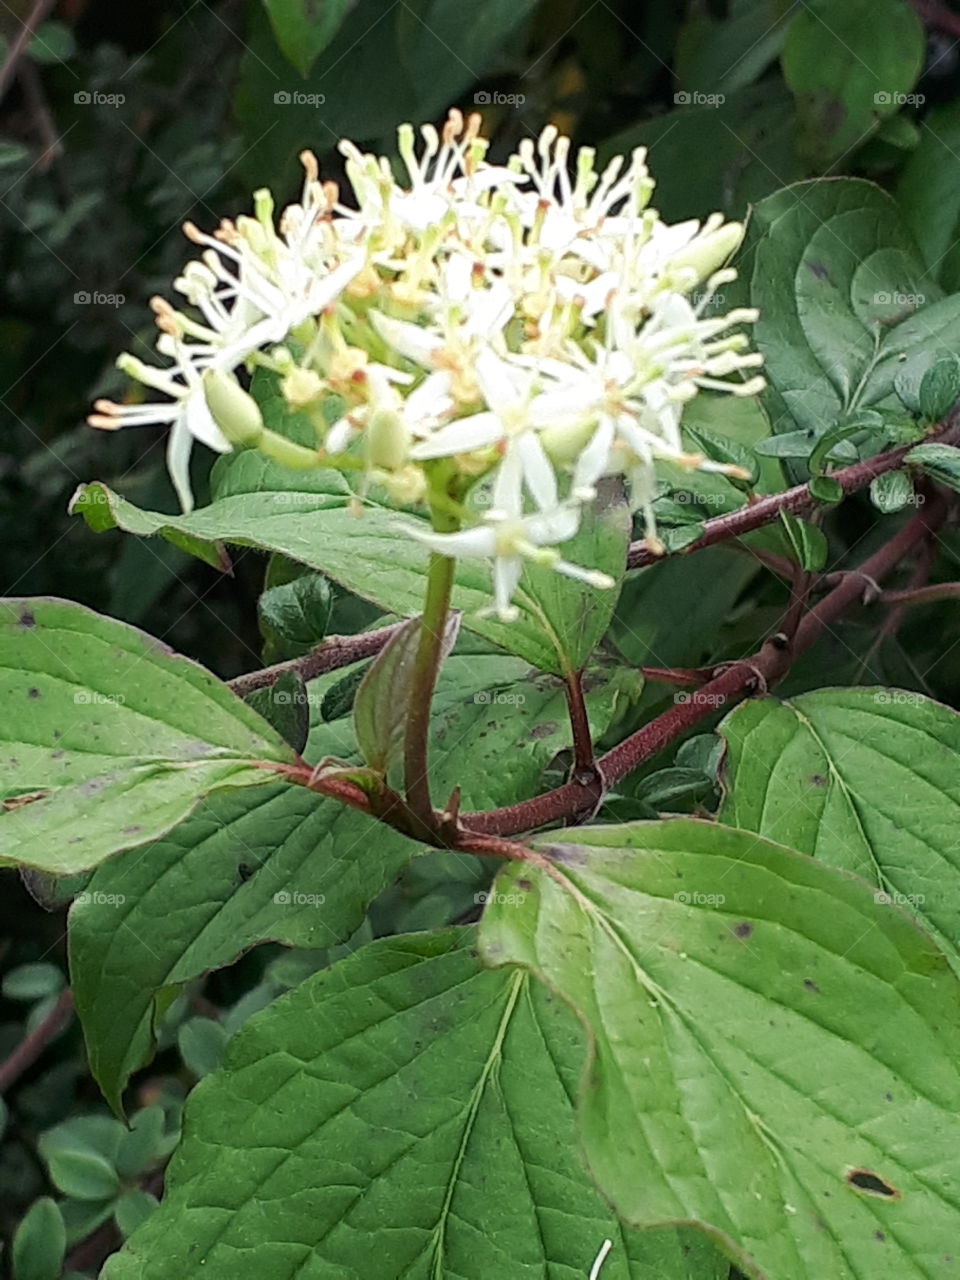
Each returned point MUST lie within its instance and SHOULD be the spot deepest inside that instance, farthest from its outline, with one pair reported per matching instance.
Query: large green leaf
(716, 151)
(560, 621)
(284, 864)
(843, 299)
(110, 739)
(775, 1054)
(412, 61)
(850, 66)
(721, 55)
(863, 779)
(928, 192)
(403, 1114)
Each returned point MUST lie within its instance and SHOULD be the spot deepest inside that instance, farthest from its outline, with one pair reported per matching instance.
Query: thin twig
(334, 652)
(754, 674)
(40, 10)
(32, 1046)
(757, 514)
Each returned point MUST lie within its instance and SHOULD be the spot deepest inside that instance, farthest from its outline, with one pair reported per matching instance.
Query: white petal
(470, 544)
(538, 472)
(479, 431)
(179, 446)
(506, 578)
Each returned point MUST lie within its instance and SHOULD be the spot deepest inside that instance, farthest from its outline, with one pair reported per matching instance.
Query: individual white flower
(508, 542)
(510, 425)
(185, 413)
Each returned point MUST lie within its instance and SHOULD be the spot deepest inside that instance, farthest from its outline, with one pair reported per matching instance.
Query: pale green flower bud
(235, 412)
(707, 253)
(387, 440)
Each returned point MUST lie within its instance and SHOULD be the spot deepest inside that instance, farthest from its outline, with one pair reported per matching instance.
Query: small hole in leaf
(743, 930)
(873, 1185)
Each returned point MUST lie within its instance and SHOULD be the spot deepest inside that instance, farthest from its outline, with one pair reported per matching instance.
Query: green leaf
(294, 616)
(716, 154)
(928, 193)
(284, 705)
(940, 388)
(412, 60)
(891, 491)
(721, 56)
(143, 1143)
(280, 863)
(849, 66)
(369, 1121)
(560, 620)
(863, 779)
(32, 981)
(722, 449)
(825, 489)
(132, 1209)
(843, 301)
(381, 707)
(40, 1242)
(761, 1023)
(807, 545)
(304, 28)
(201, 1042)
(84, 1175)
(105, 721)
(941, 462)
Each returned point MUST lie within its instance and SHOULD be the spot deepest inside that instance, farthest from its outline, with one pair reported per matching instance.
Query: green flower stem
(424, 678)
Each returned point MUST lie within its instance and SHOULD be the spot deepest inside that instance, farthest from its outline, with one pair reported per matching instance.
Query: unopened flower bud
(234, 411)
(707, 253)
(387, 439)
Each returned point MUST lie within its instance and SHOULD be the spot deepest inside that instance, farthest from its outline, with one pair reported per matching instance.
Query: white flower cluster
(518, 324)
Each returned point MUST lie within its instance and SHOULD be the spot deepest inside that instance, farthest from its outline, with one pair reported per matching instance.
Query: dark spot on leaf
(131, 831)
(572, 854)
(57, 755)
(743, 930)
(817, 780)
(18, 802)
(819, 270)
(525, 885)
(810, 985)
(244, 871)
(873, 1185)
(545, 730)
(33, 693)
(27, 619)
(888, 1097)
(878, 1235)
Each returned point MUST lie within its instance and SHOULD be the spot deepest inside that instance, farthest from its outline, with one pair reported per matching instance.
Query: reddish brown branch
(334, 652)
(579, 724)
(757, 514)
(754, 674)
(30, 1048)
(938, 16)
(28, 29)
